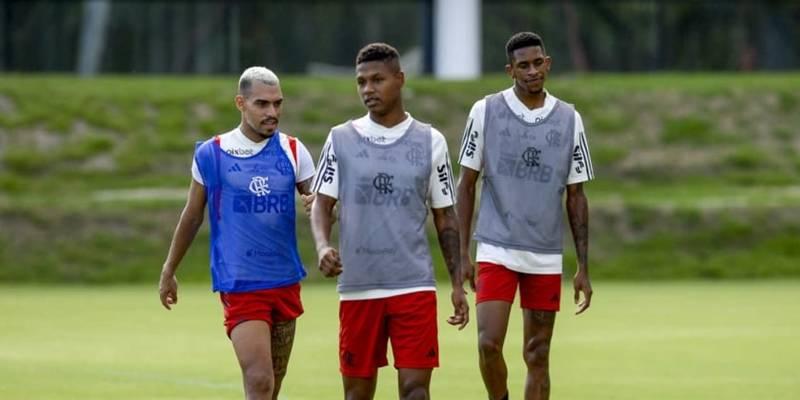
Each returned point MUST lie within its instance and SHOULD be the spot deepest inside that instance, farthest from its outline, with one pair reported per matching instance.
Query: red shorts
(536, 292)
(408, 320)
(270, 305)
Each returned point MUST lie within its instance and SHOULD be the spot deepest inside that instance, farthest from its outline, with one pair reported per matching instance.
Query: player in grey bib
(531, 158)
(383, 191)
(532, 152)
(383, 169)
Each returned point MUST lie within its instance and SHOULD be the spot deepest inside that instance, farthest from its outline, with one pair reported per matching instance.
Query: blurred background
(223, 37)
(691, 109)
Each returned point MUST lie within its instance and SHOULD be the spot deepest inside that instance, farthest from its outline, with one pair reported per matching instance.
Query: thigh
(252, 344)
(540, 292)
(362, 337)
(413, 330)
(411, 380)
(245, 306)
(282, 339)
(538, 326)
(359, 388)
(492, 319)
(497, 286)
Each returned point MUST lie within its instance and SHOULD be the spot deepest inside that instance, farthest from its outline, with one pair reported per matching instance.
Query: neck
(251, 134)
(390, 119)
(531, 100)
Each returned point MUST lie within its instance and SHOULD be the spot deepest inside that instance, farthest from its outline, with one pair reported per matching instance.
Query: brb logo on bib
(381, 191)
(263, 201)
(259, 185)
(383, 182)
(531, 156)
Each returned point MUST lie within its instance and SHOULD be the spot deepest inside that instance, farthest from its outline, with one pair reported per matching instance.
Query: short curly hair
(521, 40)
(377, 52)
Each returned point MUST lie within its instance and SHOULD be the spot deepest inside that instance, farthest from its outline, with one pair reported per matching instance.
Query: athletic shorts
(270, 305)
(365, 326)
(536, 292)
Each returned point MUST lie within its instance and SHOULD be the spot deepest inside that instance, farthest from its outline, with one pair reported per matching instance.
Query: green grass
(669, 340)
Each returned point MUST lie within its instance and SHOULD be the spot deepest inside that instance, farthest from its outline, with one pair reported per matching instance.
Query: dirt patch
(7, 106)
(80, 128)
(670, 159)
(99, 163)
(203, 111)
(42, 138)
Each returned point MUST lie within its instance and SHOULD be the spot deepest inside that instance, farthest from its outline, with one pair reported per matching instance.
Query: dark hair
(521, 40)
(377, 52)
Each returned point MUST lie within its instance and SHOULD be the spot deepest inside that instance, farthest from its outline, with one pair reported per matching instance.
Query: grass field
(666, 340)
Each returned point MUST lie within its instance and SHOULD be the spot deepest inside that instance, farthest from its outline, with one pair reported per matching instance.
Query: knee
(489, 346)
(259, 380)
(537, 354)
(414, 391)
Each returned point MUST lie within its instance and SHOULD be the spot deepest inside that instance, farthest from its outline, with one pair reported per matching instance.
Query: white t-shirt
(440, 190)
(237, 144)
(471, 156)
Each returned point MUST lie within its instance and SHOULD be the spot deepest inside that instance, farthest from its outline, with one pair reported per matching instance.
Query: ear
(402, 77)
(510, 71)
(548, 62)
(239, 100)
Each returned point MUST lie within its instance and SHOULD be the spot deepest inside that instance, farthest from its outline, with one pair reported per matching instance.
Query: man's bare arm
(190, 221)
(304, 187)
(321, 222)
(578, 214)
(447, 229)
(465, 207)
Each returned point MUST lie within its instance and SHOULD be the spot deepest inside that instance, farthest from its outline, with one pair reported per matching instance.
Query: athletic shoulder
(341, 126)
(204, 145)
(436, 135)
(480, 104)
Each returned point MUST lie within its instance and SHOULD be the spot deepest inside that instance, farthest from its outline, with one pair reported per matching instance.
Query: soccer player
(247, 177)
(386, 169)
(531, 148)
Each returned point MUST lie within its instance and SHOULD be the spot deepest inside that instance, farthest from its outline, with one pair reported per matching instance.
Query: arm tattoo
(449, 240)
(578, 213)
(282, 340)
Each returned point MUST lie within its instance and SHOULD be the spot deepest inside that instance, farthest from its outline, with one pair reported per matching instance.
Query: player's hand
(168, 290)
(308, 201)
(468, 273)
(460, 317)
(581, 284)
(329, 262)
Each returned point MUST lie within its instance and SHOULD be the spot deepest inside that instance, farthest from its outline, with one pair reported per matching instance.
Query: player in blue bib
(247, 177)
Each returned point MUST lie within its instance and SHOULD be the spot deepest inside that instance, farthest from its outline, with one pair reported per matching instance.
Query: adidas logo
(432, 353)
(235, 168)
(348, 358)
(362, 154)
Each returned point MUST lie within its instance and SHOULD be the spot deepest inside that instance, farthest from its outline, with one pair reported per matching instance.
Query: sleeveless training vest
(251, 208)
(383, 192)
(526, 166)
